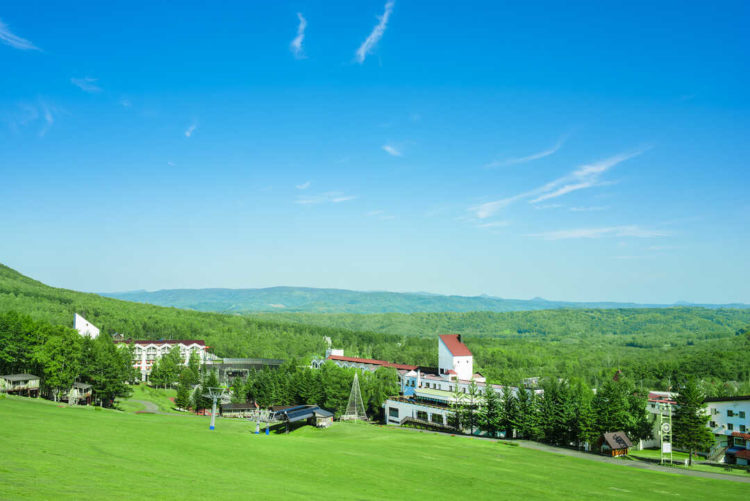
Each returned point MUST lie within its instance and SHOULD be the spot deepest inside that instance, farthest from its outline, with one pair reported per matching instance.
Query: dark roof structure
(301, 412)
(163, 341)
(372, 361)
(617, 440)
(19, 377)
(238, 407)
(455, 345)
(727, 399)
(81, 386)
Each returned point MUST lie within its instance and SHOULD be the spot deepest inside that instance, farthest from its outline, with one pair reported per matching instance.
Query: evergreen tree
(184, 389)
(470, 408)
(528, 426)
(456, 419)
(691, 421)
(509, 421)
(491, 415)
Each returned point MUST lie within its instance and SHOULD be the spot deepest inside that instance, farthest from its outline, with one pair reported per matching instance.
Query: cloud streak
(86, 84)
(586, 176)
(303, 186)
(189, 131)
(333, 197)
(529, 158)
(392, 150)
(296, 45)
(377, 33)
(14, 41)
(632, 231)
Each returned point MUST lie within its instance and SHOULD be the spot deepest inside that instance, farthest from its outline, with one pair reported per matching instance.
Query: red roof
(746, 436)
(743, 454)
(450, 371)
(372, 361)
(165, 341)
(454, 345)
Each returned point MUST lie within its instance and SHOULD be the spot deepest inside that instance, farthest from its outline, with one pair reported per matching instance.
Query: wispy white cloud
(380, 214)
(86, 84)
(586, 176)
(125, 103)
(8, 38)
(39, 116)
(334, 197)
(189, 131)
(296, 45)
(303, 186)
(596, 208)
(392, 150)
(377, 33)
(49, 119)
(494, 224)
(633, 231)
(529, 158)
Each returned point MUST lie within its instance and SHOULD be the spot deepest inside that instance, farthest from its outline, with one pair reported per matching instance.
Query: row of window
(730, 426)
(422, 415)
(731, 413)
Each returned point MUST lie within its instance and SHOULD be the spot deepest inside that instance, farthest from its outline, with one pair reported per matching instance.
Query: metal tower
(355, 409)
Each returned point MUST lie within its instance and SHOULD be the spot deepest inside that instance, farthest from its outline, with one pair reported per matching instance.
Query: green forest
(655, 347)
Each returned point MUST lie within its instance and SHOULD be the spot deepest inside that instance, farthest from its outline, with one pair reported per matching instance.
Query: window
(730, 426)
(422, 415)
(437, 418)
(739, 442)
(742, 414)
(743, 429)
(393, 412)
(730, 413)
(712, 424)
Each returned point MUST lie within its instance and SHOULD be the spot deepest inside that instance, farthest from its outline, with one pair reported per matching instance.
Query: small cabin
(241, 410)
(20, 384)
(80, 393)
(614, 444)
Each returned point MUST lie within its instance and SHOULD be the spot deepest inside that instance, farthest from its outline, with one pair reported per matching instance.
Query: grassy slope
(158, 396)
(53, 452)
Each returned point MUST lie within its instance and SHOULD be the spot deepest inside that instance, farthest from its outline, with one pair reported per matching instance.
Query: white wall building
(730, 424)
(84, 327)
(145, 353)
(454, 358)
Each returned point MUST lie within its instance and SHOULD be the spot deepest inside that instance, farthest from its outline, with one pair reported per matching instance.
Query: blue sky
(577, 151)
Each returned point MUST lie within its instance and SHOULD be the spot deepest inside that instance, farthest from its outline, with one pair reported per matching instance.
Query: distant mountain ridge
(314, 300)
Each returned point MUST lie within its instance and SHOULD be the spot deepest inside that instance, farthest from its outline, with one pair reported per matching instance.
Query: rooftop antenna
(355, 409)
(215, 394)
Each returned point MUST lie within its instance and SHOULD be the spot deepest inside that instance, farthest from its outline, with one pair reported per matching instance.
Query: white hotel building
(730, 424)
(145, 353)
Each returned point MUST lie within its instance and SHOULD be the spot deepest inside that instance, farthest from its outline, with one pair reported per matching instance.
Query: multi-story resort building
(730, 424)
(427, 394)
(145, 353)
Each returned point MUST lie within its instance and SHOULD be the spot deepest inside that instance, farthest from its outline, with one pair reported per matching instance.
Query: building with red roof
(454, 357)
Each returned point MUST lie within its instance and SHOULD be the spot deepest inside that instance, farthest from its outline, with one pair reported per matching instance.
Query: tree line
(60, 356)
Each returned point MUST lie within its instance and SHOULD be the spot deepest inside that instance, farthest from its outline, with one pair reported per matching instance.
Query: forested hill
(311, 300)
(656, 346)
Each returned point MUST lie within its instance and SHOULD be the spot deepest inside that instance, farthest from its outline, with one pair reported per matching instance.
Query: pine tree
(690, 421)
(491, 415)
(184, 388)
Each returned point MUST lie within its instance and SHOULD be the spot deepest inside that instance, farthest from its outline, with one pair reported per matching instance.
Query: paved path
(643, 465)
(149, 407)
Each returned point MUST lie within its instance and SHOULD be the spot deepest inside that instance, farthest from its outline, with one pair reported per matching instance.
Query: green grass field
(158, 396)
(52, 451)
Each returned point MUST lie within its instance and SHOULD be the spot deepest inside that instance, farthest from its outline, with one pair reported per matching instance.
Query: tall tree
(691, 421)
(59, 357)
(491, 413)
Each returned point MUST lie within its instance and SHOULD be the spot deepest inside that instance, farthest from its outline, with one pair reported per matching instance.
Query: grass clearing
(159, 396)
(52, 451)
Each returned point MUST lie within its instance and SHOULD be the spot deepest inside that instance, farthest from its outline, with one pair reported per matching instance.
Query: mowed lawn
(49, 451)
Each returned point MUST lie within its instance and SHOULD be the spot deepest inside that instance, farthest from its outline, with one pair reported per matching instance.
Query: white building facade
(145, 353)
(730, 424)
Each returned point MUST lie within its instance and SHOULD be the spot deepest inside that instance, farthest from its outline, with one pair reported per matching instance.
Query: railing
(717, 453)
